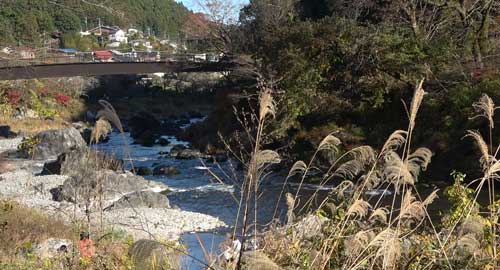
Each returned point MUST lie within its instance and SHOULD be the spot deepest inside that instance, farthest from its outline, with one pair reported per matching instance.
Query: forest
(26, 21)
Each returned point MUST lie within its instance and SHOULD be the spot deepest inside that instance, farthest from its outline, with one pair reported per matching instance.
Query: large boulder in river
(165, 170)
(74, 161)
(143, 171)
(143, 199)
(106, 184)
(152, 255)
(147, 138)
(180, 151)
(142, 122)
(51, 143)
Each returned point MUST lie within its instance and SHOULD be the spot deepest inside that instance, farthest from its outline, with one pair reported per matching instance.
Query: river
(196, 189)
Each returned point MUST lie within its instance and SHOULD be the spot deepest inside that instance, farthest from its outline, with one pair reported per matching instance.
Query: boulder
(143, 199)
(309, 227)
(143, 171)
(74, 161)
(180, 151)
(52, 247)
(251, 260)
(142, 122)
(219, 157)
(163, 141)
(152, 255)
(51, 143)
(107, 184)
(6, 133)
(177, 147)
(147, 138)
(165, 170)
(170, 127)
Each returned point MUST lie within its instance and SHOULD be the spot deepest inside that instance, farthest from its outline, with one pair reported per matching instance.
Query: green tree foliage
(25, 21)
(348, 64)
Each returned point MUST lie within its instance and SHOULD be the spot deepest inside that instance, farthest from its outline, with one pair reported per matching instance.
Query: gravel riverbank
(25, 186)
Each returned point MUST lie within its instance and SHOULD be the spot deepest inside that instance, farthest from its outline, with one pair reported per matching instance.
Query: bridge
(77, 66)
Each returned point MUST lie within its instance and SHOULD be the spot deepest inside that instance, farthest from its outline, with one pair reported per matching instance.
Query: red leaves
(13, 97)
(62, 99)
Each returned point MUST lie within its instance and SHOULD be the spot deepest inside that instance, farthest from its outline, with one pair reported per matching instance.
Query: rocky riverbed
(23, 183)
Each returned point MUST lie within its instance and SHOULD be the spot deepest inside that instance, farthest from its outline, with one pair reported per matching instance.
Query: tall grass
(389, 230)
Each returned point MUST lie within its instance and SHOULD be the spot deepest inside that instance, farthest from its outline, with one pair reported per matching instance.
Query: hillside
(25, 21)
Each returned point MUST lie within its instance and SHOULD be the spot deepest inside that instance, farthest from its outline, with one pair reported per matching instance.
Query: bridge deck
(109, 68)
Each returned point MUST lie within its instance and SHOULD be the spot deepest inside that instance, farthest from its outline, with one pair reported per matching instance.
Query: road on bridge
(110, 68)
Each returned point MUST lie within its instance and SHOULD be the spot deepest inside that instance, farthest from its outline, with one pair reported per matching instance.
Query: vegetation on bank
(345, 66)
(376, 216)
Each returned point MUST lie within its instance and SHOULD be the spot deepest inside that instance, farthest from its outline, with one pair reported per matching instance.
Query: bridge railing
(137, 56)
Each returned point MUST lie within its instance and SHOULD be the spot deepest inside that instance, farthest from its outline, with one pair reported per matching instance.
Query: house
(119, 36)
(7, 50)
(103, 56)
(25, 52)
(114, 44)
(132, 31)
(143, 43)
(85, 33)
(103, 30)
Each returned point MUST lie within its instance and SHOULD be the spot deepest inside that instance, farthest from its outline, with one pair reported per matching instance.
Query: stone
(180, 151)
(165, 170)
(152, 255)
(309, 227)
(141, 199)
(74, 161)
(251, 260)
(52, 143)
(163, 141)
(147, 138)
(52, 247)
(6, 133)
(177, 147)
(217, 158)
(141, 123)
(106, 184)
(143, 171)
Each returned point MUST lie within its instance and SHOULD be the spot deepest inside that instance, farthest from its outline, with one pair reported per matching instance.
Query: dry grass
(363, 231)
(22, 227)
(30, 126)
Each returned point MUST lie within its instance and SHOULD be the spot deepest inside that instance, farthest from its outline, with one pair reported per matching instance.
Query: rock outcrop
(51, 143)
(74, 161)
(165, 170)
(143, 199)
(105, 184)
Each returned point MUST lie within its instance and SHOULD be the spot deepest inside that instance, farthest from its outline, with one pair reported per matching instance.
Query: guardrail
(138, 56)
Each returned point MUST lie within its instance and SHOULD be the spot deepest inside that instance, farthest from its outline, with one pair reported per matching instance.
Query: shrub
(13, 97)
(62, 99)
